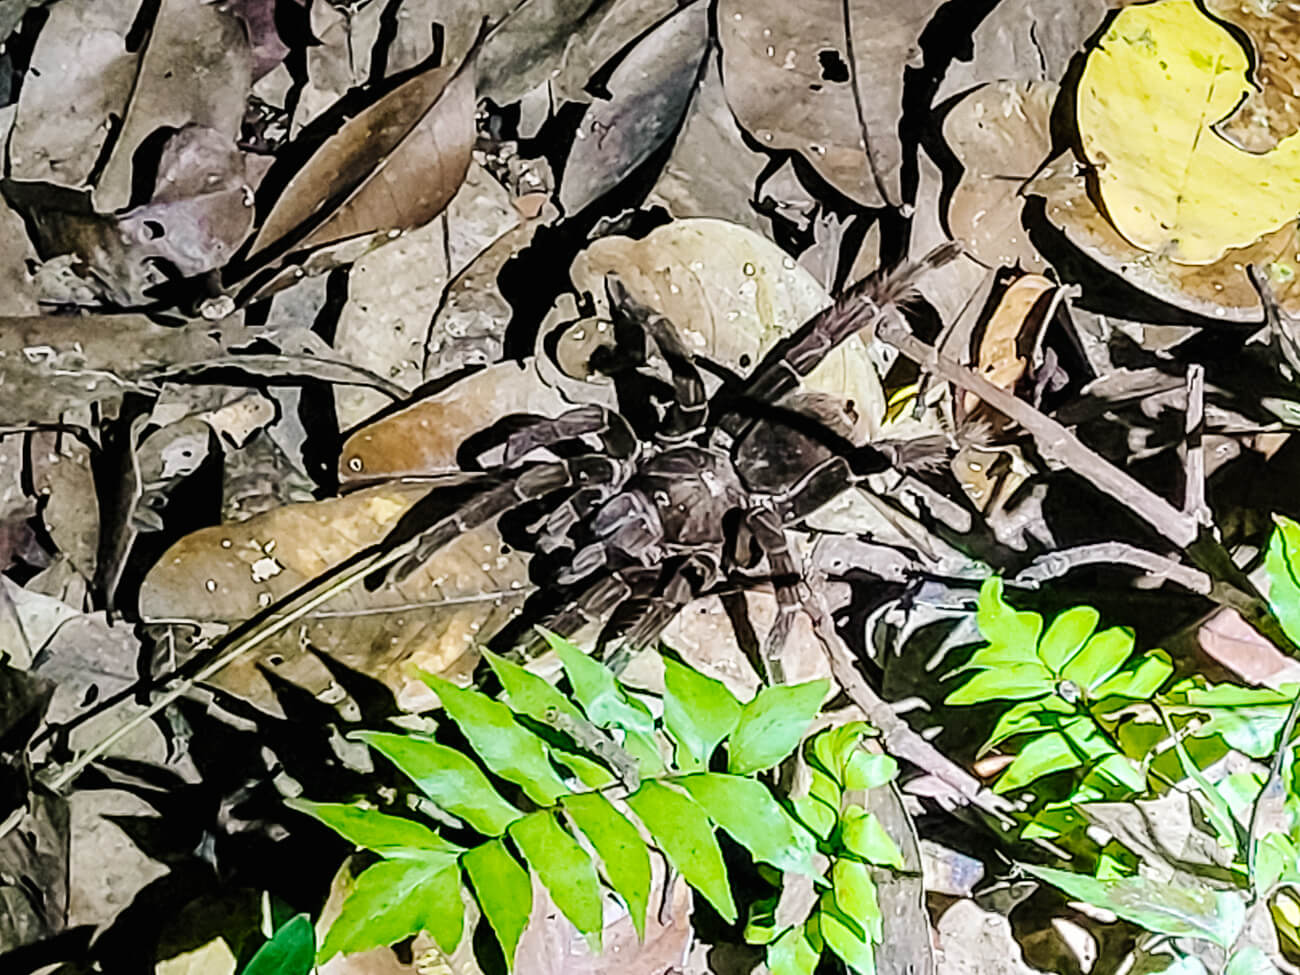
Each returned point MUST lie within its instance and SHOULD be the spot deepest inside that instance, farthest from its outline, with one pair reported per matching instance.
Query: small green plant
(575, 788)
(1082, 709)
(846, 917)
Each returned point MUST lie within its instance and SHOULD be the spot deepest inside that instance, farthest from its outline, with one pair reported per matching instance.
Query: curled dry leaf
(195, 70)
(1220, 290)
(1270, 110)
(650, 89)
(423, 438)
(55, 364)
(1011, 334)
(432, 620)
(732, 295)
(1148, 97)
(825, 78)
(1001, 134)
(395, 165)
(80, 75)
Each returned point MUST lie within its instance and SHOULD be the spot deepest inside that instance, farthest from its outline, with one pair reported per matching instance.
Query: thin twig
(1053, 565)
(1193, 447)
(316, 595)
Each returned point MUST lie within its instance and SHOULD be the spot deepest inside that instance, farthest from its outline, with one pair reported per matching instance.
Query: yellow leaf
(1150, 94)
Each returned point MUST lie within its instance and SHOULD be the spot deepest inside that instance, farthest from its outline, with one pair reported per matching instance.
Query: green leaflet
(393, 837)
(746, 810)
(1066, 636)
(1103, 655)
(447, 777)
(1013, 683)
(683, 831)
(1167, 906)
(865, 836)
(699, 712)
(855, 950)
(508, 748)
(867, 770)
(526, 693)
(395, 899)
(291, 951)
(503, 890)
(564, 868)
(1000, 624)
(855, 896)
(601, 696)
(772, 725)
(1283, 566)
(623, 854)
(791, 954)
(1044, 755)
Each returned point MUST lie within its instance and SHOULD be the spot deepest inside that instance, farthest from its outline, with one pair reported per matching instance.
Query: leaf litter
(283, 278)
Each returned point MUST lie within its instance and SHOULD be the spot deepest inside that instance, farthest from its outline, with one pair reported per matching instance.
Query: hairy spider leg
(689, 412)
(581, 421)
(787, 581)
(529, 484)
(788, 362)
(694, 574)
(593, 605)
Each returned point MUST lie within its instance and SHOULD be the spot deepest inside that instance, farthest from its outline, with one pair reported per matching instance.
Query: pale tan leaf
(432, 620)
(732, 295)
(1001, 134)
(1010, 334)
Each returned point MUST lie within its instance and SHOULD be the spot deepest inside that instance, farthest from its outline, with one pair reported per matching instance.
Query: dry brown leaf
(423, 438)
(732, 295)
(1220, 290)
(51, 364)
(1271, 110)
(433, 620)
(711, 171)
(825, 78)
(395, 165)
(649, 91)
(1237, 646)
(80, 75)
(591, 47)
(1001, 134)
(196, 70)
(1011, 334)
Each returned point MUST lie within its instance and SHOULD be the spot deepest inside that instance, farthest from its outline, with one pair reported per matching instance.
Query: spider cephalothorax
(709, 492)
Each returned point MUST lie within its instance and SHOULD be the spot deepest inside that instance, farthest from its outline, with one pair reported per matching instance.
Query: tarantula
(713, 489)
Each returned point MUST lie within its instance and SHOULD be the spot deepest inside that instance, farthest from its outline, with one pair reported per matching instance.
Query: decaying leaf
(1270, 110)
(469, 326)
(601, 38)
(393, 166)
(650, 89)
(1148, 97)
(825, 78)
(1001, 134)
(1011, 334)
(423, 438)
(433, 620)
(1220, 290)
(732, 295)
(80, 75)
(55, 364)
(195, 70)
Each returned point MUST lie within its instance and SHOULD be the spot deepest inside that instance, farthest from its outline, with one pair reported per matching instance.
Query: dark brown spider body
(656, 522)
